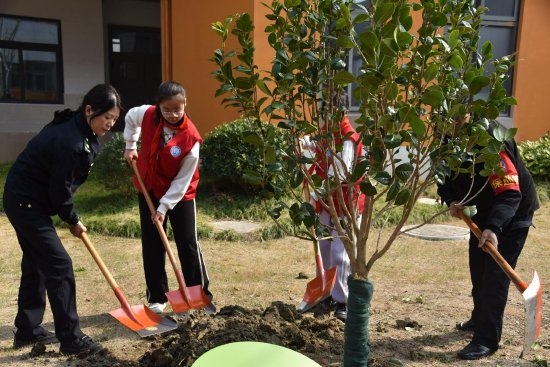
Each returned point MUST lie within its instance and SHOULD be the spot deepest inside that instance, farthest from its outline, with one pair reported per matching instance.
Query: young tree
(427, 89)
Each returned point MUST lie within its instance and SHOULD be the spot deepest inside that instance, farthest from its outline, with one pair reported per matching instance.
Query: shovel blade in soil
(532, 297)
(318, 289)
(187, 299)
(143, 321)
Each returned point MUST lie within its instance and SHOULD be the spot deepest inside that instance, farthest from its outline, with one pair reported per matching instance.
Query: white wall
(83, 33)
(82, 47)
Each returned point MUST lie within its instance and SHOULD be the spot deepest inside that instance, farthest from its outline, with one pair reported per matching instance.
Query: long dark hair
(168, 90)
(101, 98)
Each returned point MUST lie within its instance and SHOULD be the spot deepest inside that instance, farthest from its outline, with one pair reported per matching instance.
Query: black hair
(100, 98)
(168, 90)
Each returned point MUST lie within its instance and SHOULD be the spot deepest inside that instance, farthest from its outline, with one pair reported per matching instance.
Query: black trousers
(46, 268)
(490, 285)
(183, 221)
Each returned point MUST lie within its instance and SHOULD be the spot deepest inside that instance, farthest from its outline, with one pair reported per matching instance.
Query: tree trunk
(356, 331)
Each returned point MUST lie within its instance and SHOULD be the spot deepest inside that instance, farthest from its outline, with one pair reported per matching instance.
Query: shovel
(137, 318)
(532, 293)
(320, 288)
(185, 298)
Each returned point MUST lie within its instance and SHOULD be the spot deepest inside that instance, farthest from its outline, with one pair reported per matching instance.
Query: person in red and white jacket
(333, 252)
(168, 163)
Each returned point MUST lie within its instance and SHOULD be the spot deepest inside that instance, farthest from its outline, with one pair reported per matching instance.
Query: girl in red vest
(333, 252)
(168, 162)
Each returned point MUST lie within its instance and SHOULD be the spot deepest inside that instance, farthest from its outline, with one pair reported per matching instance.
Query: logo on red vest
(175, 151)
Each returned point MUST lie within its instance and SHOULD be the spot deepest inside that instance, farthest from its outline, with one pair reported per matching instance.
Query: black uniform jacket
(509, 209)
(52, 166)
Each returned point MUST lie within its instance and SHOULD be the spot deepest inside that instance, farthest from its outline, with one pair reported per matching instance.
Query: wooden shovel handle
(491, 249)
(158, 224)
(84, 237)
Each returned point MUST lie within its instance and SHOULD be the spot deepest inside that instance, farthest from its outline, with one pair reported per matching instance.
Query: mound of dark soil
(319, 338)
(315, 335)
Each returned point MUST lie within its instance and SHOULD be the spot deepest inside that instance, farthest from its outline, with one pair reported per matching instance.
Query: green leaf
(404, 171)
(252, 138)
(343, 77)
(393, 191)
(383, 12)
(292, 3)
(367, 188)
(433, 96)
(454, 38)
(486, 48)
(383, 177)
(403, 39)
(253, 178)
(499, 133)
(510, 133)
(456, 61)
(263, 87)
(439, 19)
(345, 41)
(402, 197)
(431, 72)
(417, 125)
(369, 39)
(478, 83)
(361, 18)
(510, 101)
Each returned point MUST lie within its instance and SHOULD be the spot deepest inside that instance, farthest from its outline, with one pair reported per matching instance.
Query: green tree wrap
(356, 331)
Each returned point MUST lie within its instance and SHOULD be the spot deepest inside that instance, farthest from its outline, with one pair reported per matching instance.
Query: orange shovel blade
(318, 289)
(190, 298)
(143, 321)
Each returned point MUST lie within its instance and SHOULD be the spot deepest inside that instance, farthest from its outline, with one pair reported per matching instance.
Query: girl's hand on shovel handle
(158, 217)
(77, 229)
(130, 155)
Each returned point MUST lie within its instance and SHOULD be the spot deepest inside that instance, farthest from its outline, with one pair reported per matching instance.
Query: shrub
(229, 160)
(535, 155)
(112, 169)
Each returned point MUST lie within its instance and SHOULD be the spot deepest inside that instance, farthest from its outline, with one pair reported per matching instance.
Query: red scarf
(158, 131)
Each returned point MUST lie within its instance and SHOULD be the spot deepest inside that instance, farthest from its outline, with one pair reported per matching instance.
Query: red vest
(158, 175)
(358, 196)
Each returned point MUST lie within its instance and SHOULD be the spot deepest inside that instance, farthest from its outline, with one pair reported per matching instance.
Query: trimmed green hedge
(536, 155)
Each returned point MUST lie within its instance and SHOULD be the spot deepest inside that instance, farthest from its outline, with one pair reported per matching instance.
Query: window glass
(40, 75)
(27, 30)
(9, 74)
(502, 8)
(30, 60)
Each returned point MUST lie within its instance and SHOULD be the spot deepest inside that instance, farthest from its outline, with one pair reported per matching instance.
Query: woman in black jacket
(505, 207)
(40, 184)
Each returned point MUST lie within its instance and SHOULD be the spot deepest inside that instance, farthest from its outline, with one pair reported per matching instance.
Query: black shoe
(46, 338)
(341, 311)
(475, 351)
(465, 325)
(80, 345)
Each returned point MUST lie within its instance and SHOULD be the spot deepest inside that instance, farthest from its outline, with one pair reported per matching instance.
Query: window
(30, 60)
(499, 26)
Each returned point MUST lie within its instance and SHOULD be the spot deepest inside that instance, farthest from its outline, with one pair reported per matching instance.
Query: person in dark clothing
(505, 207)
(40, 184)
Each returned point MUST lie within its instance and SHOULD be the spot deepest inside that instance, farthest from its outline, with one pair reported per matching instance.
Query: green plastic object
(253, 354)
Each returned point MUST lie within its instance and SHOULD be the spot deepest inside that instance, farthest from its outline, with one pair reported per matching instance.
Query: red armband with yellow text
(510, 180)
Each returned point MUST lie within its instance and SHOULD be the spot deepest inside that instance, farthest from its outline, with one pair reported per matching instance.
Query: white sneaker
(157, 307)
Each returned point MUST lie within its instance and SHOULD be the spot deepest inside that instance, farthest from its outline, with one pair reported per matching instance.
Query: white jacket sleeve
(132, 128)
(181, 182)
(347, 155)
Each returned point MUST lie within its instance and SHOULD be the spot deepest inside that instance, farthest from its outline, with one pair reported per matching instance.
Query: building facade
(54, 51)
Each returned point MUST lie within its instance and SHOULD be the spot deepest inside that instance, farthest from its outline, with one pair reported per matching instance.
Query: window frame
(33, 46)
